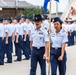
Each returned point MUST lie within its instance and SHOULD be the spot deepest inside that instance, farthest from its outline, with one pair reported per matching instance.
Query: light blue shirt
(74, 27)
(23, 28)
(45, 24)
(8, 29)
(65, 27)
(31, 26)
(1, 30)
(17, 28)
(58, 38)
(28, 27)
(39, 37)
(71, 27)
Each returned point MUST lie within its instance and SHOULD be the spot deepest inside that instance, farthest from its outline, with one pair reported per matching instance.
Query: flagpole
(50, 8)
(56, 8)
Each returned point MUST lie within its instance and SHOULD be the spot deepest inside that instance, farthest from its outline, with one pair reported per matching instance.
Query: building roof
(15, 4)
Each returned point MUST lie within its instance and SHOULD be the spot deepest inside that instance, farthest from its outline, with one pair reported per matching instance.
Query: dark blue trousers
(74, 33)
(18, 51)
(8, 50)
(37, 56)
(25, 50)
(55, 62)
(26, 46)
(15, 48)
(18, 48)
(75, 36)
(23, 46)
(1, 52)
(70, 39)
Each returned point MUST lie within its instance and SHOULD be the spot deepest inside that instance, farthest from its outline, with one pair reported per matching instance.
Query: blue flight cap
(10, 20)
(37, 18)
(6, 19)
(18, 19)
(24, 17)
(45, 16)
(1, 20)
(29, 17)
(57, 19)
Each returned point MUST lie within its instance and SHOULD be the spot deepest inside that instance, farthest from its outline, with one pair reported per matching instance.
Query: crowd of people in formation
(16, 32)
(69, 26)
(24, 34)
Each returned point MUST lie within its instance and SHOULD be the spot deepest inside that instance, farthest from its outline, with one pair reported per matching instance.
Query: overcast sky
(62, 4)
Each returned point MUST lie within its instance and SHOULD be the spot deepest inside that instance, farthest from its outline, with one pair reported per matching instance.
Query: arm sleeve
(6, 29)
(17, 30)
(46, 38)
(65, 39)
(31, 38)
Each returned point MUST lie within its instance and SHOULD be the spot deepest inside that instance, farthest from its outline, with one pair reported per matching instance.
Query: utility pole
(16, 4)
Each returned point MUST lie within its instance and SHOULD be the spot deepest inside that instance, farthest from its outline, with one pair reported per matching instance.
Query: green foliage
(32, 11)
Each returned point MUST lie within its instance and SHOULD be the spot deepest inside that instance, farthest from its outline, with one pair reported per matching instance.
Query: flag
(46, 4)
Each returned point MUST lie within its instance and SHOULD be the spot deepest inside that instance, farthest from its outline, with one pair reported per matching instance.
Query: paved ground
(23, 67)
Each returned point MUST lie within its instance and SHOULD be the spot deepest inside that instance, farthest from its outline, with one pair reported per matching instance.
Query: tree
(32, 11)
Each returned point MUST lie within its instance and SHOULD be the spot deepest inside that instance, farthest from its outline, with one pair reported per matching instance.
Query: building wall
(10, 12)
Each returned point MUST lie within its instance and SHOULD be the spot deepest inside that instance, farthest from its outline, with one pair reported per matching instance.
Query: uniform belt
(39, 47)
(56, 48)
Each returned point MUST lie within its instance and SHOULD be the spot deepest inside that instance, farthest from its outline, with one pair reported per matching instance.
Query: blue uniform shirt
(46, 24)
(23, 28)
(17, 28)
(39, 37)
(58, 38)
(28, 27)
(1, 30)
(8, 29)
(74, 27)
(31, 26)
(71, 27)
